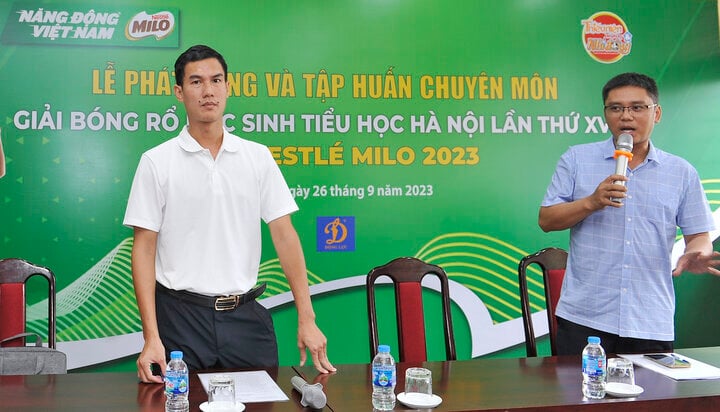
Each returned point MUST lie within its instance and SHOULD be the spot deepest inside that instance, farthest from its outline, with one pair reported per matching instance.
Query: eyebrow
(215, 76)
(612, 103)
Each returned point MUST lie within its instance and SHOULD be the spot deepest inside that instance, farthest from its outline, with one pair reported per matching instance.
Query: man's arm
(143, 273)
(289, 251)
(563, 216)
(699, 256)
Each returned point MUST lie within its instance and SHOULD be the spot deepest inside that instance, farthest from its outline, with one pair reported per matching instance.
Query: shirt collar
(230, 143)
(609, 150)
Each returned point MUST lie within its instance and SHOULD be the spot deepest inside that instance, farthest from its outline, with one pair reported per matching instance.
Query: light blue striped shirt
(618, 276)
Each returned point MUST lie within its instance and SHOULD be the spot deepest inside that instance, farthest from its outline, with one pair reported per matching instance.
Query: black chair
(406, 274)
(552, 262)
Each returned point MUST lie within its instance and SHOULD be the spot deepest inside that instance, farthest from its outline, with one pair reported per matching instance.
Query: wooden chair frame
(14, 273)
(552, 261)
(406, 274)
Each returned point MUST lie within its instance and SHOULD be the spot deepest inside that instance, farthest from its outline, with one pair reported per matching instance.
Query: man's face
(627, 111)
(204, 91)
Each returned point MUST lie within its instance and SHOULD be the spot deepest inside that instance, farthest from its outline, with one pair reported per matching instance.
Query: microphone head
(624, 142)
(298, 383)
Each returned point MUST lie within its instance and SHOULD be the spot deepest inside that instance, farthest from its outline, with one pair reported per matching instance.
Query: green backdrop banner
(420, 128)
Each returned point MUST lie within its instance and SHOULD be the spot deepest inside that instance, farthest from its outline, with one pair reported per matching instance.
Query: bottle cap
(176, 354)
(593, 339)
(384, 348)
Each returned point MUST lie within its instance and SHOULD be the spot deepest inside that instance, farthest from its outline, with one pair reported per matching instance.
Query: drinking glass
(418, 380)
(620, 370)
(221, 393)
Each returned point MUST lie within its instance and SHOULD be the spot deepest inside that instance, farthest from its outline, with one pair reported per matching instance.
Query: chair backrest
(552, 262)
(14, 273)
(406, 274)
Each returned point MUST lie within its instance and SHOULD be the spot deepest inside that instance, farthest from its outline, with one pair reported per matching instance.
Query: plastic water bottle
(593, 369)
(177, 384)
(383, 379)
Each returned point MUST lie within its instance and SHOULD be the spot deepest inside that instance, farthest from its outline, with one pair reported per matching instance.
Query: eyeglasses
(617, 109)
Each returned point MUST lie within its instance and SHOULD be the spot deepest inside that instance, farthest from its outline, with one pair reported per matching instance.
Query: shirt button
(629, 219)
(627, 242)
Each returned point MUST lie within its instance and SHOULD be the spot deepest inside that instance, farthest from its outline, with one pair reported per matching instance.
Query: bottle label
(384, 377)
(593, 366)
(176, 385)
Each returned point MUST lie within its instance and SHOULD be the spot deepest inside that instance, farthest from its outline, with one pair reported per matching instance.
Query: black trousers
(210, 339)
(572, 338)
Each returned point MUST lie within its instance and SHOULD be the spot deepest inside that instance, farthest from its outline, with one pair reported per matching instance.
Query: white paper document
(697, 369)
(252, 386)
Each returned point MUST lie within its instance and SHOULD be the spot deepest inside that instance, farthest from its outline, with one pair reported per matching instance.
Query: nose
(207, 89)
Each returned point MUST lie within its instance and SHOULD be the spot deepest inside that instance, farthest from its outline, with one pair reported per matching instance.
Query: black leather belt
(219, 303)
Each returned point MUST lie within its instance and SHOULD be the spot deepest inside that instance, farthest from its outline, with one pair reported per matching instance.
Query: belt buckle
(226, 303)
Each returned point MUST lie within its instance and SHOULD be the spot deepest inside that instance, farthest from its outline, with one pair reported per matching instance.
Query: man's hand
(697, 262)
(565, 215)
(608, 190)
(152, 352)
(310, 337)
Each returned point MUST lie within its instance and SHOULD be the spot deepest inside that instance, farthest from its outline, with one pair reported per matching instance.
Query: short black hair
(632, 79)
(193, 54)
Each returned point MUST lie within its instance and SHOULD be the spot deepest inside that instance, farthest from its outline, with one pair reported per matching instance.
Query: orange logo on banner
(337, 230)
(606, 37)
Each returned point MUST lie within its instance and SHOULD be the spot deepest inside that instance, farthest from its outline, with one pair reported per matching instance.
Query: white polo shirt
(207, 211)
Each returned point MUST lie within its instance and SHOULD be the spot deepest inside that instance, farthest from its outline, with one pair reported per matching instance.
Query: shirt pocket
(658, 204)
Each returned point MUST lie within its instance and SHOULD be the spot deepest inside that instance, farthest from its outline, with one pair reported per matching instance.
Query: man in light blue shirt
(618, 283)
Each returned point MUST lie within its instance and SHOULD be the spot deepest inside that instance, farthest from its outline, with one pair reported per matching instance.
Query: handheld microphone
(623, 154)
(312, 395)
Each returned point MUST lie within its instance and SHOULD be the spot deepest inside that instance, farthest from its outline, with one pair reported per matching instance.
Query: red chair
(13, 275)
(406, 274)
(552, 262)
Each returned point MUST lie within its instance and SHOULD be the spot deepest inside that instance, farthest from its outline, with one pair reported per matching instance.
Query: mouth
(628, 130)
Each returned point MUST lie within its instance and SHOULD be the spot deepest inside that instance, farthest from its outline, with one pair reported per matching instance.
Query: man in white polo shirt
(196, 206)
